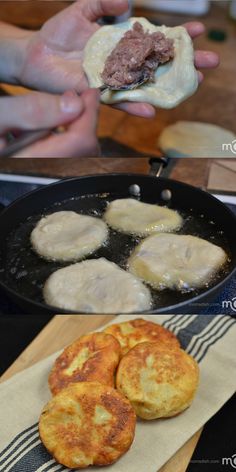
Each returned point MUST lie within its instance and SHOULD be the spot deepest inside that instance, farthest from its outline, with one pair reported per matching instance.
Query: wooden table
(62, 330)
(214, 102)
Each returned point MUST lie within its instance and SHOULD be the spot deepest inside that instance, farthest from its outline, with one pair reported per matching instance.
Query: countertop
(209, 174)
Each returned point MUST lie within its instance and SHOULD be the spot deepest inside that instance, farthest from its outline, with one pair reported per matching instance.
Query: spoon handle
(28, 138)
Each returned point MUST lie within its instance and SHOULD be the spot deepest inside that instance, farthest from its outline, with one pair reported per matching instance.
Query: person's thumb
(93, 10)
(39, 110)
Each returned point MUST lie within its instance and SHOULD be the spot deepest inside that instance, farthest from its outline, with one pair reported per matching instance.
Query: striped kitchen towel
(211, 340)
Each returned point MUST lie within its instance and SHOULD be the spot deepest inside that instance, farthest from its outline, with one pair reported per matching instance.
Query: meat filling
(137, 55)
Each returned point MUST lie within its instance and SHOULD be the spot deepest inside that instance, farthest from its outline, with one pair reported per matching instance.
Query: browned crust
(66, 440)
(104, 356)
(143, 331)
(171, 369)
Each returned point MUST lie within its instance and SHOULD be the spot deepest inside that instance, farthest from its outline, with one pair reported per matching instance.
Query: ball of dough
(133, 217)
(157, 380)
(174, 81)
(96, 286)
(87, 424)
(93, 357)
(68, 236)
(194, 139)
(177, 262)
(133, 332)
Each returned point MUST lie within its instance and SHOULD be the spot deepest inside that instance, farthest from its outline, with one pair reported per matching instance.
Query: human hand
(54, 55)
(43, 111)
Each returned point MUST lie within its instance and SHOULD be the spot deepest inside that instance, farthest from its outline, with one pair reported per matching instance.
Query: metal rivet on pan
(166, 195)
(135, 190)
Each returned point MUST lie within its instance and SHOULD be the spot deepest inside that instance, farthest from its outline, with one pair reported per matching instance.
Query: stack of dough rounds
(93, 357)
(87, 424)
(174, 81)
(133, 332)
(176, 261)
(68, 236)
(133, 217)
(96, 286)
(159, 381)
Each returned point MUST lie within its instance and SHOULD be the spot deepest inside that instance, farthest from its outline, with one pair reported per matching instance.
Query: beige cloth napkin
(210, 339)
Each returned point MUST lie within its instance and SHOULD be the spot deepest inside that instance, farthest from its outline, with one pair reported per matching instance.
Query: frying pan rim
(118, 174)
(42, 306)
(162, 310)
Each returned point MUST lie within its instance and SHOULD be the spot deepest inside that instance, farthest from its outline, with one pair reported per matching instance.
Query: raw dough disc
(175, 81)
(68, 236)
(96, 286)
(133, 217)
(195, 139)
(176, 261)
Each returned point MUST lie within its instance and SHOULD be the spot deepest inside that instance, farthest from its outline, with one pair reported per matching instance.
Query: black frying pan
(23, 273)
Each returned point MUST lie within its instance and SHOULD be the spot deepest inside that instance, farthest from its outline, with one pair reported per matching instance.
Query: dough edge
(177, 80)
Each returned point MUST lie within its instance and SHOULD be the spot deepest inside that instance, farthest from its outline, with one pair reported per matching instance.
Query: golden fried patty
(93, 357)
(157, 380)
(138, 331)
(87, 423)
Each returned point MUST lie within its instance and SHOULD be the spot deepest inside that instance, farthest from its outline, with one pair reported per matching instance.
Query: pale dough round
(174, 81)
(96, 286)
(195, 139)
(68, 236)
(176, 261)
(133, 217)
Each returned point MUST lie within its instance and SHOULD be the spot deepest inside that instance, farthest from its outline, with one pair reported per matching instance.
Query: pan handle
(157, 164)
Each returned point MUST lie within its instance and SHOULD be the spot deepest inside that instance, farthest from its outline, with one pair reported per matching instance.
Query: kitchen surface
(212, 174)
(214, 102)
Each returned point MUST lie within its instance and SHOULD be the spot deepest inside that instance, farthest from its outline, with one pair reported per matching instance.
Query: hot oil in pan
(26, 272)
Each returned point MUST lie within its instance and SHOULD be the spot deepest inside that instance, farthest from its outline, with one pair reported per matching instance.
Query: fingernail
(71, 103)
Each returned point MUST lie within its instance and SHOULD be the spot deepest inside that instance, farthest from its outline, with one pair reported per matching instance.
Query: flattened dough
(86, 424)
(174, 81)
(68, 236)
(195, 139)
(159, 381)
(133, 217)
(176, 261)
(133, 332)
(96, 286)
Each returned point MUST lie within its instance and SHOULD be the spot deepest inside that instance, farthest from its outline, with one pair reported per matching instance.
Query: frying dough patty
(87, 424)
(68, 236)
(176, 261)
(93, 357)
(96, 286)
(133, 217)
(157, 380)
(130, 333)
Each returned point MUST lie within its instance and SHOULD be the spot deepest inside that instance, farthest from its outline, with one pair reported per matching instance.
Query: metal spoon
(144, 79)
(30, 137)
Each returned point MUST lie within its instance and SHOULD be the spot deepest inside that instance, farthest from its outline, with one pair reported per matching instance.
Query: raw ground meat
(137, 54)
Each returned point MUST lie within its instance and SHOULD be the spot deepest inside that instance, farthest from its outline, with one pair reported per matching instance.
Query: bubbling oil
(26, 272)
